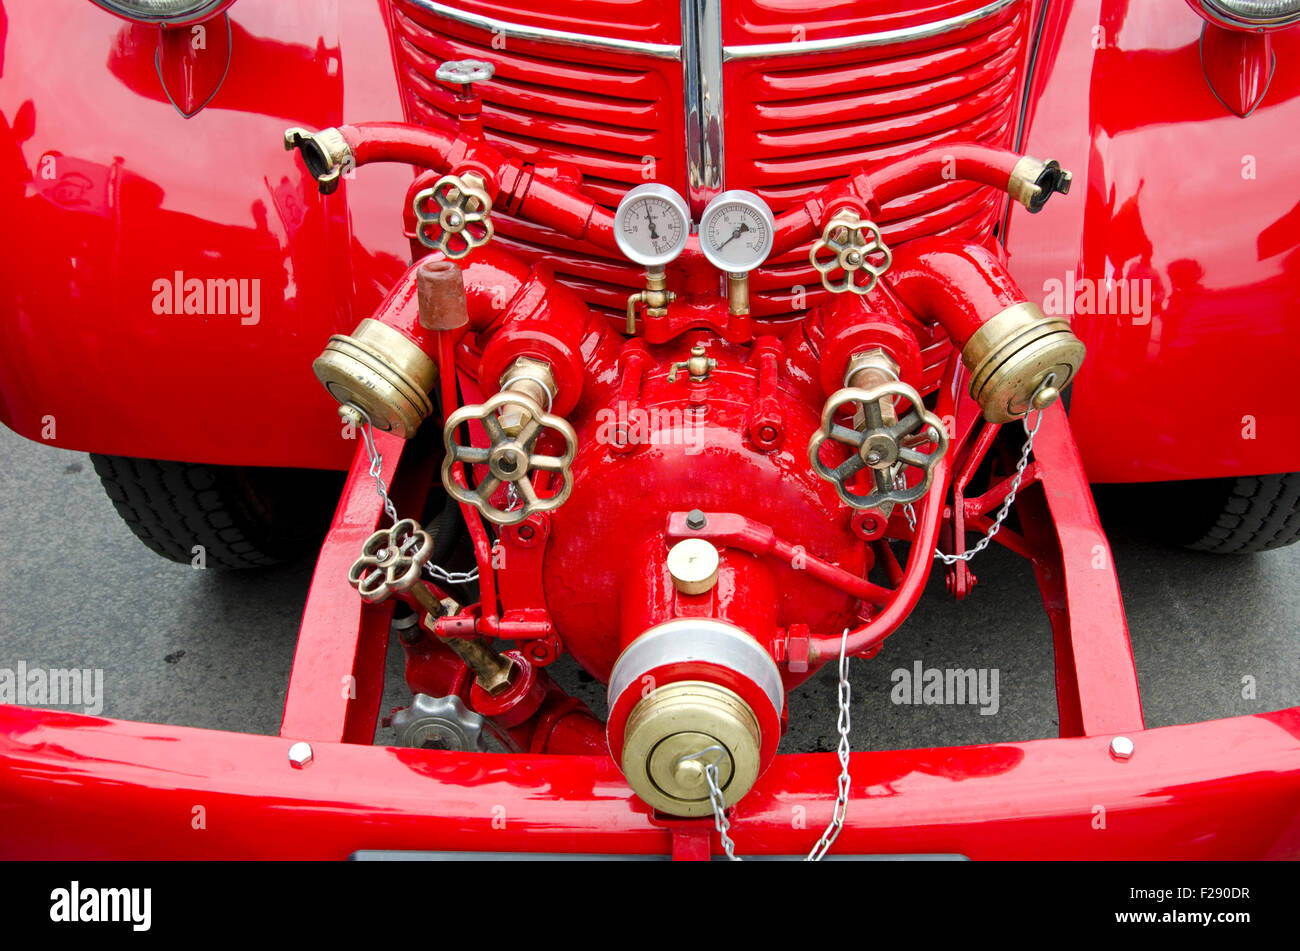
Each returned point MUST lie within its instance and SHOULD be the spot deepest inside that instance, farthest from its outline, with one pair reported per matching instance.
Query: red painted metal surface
(112, 199)
(1177, 196)
(654, 441)
(128, 790)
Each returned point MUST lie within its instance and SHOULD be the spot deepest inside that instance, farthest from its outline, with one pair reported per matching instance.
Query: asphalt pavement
(1212, 636)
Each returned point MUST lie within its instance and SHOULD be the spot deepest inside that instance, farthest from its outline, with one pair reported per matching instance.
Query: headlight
(168, 12)
(1255, 15)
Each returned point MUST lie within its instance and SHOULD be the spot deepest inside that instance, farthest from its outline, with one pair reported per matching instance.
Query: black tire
(243, 517)
(1233, 516)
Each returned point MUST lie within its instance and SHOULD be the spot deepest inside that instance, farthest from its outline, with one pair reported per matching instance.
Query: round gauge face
(736, 231)
(652, 224)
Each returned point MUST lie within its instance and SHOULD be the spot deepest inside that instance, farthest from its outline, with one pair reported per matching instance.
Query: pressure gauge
(652, 224)
(736, 231)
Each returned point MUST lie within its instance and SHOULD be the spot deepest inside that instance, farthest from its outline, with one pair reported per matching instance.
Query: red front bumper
(74, 786)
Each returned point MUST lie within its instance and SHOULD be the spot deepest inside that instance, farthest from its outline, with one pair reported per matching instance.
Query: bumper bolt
(1121, 747)
(300, 755)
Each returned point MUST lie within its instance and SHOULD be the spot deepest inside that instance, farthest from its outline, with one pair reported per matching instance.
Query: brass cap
(1012, 354)
(693, 565)
(381, 371)
(681, 719)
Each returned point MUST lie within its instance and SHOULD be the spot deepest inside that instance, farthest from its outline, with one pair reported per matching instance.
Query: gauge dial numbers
(651, 225)
(736, 231)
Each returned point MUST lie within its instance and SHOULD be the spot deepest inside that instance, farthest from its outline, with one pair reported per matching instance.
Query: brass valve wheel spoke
(454, 216)
(852, 243)
(510, 457)
(888, 449)
(391, 561)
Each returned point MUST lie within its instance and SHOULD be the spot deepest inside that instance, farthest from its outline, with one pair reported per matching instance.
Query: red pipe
(934, 166)
(956, 283)
(521, 187)
(926, 168)
(398, 142)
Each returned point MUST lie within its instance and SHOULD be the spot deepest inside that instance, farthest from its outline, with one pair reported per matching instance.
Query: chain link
(842, 795)
(377, 473)
(1005, 510)
(719, 804)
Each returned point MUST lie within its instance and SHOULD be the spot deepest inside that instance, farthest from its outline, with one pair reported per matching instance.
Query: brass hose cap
(379, 370)
(1012, 354)
(680, 720)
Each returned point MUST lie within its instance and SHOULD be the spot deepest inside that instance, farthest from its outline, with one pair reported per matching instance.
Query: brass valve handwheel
(391, 561)
(510, 458)
(883, 447)
(454, 216)
(851, 243)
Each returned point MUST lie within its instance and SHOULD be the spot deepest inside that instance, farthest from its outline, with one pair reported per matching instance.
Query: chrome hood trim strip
(865, 40)
(522, 31)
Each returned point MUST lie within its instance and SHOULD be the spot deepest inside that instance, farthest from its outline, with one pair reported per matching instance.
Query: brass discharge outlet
(679, 721)
(1012, 354)
(326, 154)
(656, 298)
(1034, 181)
(383, 373)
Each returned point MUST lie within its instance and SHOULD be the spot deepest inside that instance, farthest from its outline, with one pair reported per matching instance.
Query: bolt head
(695, 520)
(1121, 747)
(300, 755)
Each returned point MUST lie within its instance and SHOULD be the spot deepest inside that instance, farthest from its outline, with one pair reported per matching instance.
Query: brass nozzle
(1011, 356)
(383, 373)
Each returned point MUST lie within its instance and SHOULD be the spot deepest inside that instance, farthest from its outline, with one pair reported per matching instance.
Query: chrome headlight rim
(165, 12)
(1253, 15)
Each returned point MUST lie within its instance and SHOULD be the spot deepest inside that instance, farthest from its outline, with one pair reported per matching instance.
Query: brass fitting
(738, 294)
(672, 724)
(656, 298)
(1034, 181)
(530, 378)
(383, 373)
(867, 370)
(326, 154)
(697, 366)
(1012, 354)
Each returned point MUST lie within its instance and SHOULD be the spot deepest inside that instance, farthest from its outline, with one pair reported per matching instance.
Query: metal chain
(377, 473)
(376, 460)
(719, 804)
(1005, 510)
(842, 797)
